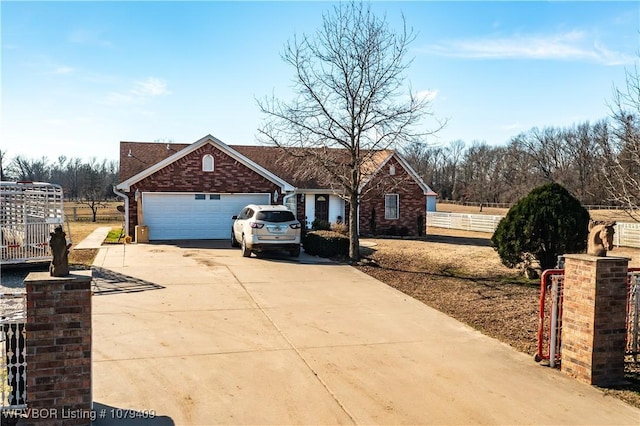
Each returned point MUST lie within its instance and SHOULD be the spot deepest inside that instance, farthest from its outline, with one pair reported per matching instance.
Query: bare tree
(482, 173)
(519, 173)
(30, 170)
(3, 160)
(582, 146)
(350, 94)
(98, 181)
(621, 150)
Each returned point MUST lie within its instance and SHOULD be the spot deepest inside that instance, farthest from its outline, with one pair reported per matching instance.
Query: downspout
(286, 198)
(126, 209)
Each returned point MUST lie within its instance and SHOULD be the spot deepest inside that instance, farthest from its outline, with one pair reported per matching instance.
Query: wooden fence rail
(84, 214)
(627, 234)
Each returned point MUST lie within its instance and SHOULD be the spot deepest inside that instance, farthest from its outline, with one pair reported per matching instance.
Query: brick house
(191, 191)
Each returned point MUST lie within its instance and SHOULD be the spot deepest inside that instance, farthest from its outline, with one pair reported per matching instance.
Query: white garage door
(194, 216)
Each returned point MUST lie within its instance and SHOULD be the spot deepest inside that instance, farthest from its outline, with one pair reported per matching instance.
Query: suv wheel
(295, 252)
(234, 242)
(245, 250)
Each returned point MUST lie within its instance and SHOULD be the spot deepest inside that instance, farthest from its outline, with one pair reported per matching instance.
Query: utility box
(142, 234)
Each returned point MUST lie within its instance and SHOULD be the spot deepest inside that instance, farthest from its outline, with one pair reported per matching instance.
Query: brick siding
(594, 318)
(186, 175)
(411, 199)
(59, 347)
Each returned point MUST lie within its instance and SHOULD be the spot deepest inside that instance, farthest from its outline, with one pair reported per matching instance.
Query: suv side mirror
(234, 217)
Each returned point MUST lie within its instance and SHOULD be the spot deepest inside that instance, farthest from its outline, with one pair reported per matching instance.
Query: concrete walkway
(201, 335)
(95, 239)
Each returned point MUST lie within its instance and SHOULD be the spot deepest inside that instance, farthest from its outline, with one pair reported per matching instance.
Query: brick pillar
(594, 318)
(59, 349)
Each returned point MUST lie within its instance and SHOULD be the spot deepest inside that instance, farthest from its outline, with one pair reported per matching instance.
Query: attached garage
(194, 216)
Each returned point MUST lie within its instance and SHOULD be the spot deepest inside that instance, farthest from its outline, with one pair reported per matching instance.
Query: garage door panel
(182, 216)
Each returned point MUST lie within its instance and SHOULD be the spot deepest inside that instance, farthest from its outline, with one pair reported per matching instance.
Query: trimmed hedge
(326, 244)
(320, 225)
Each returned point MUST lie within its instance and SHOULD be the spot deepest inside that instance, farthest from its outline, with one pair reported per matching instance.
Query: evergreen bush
(548, 222)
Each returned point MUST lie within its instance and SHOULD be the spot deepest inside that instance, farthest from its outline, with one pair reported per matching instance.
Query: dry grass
(458, 273)
(79, 229)
(83, 259)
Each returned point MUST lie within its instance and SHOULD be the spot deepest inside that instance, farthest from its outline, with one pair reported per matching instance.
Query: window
(200, 197)
(214, 196)
(207, 163)
(277, 216)
(246, 213)
(392, 170)
(391, 206)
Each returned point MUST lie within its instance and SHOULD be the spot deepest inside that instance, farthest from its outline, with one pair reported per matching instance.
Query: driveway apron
(200, 335)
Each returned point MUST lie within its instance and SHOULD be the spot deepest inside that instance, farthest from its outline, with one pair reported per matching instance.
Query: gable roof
(138, 156)
(157, 152)
(141, 159)
(425, 188)
(288, 167)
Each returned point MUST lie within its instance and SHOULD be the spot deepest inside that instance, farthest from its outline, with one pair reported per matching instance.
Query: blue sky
(79, 77)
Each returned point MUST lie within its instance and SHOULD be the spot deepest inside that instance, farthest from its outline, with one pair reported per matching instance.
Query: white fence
(466, 222)
(627, 234)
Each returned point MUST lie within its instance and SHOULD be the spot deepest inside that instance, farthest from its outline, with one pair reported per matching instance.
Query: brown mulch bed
(459, 274)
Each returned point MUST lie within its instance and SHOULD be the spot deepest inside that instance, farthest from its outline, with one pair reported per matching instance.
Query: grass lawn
(83, 259)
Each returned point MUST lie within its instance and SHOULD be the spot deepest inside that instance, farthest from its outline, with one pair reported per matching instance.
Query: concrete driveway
(201, 335)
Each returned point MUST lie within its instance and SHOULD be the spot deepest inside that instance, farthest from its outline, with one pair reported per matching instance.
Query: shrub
(548, 222)
(326, 244)
(320, 225)
(340, 228)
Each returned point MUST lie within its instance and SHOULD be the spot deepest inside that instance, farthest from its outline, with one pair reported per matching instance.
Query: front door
(322, 207)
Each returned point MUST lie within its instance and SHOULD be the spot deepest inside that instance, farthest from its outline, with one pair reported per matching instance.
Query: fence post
(59, 348)
(594, 328)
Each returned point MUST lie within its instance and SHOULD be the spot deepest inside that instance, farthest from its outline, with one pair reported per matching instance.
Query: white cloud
(63, 70)
(116, 98)
(142, 90)
(150, 87)
(427, 95)
(56, 122)
(571, 45)
(511, 127)
(88, 37)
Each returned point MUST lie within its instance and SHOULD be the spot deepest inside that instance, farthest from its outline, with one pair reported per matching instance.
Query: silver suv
(261, 228)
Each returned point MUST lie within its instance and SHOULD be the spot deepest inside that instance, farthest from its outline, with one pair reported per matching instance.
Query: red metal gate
(550, 315)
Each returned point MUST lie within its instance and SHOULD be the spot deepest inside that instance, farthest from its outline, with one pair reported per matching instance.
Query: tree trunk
(354, 240)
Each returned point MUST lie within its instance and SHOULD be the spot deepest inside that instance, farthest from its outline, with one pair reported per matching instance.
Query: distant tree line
(483, 173)
(590, 160)
(86, 182)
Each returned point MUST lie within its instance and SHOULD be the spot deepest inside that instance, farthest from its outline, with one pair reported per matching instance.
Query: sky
(79, 77)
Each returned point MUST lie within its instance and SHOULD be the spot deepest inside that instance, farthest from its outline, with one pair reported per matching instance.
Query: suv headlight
(294, 226)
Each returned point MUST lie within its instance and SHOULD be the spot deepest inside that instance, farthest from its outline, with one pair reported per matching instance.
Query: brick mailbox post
(58, 331)
(594, 318)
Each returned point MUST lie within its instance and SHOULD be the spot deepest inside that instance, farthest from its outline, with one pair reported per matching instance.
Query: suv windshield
(276, 216)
